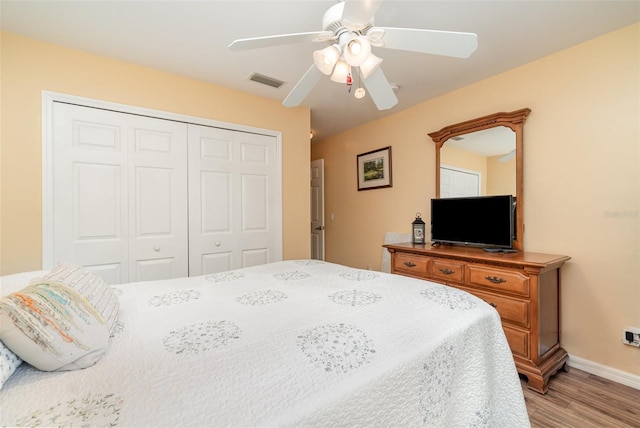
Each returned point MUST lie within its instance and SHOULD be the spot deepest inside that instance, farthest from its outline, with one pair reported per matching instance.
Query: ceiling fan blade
(283, 39)
(508, 156)
(448, 43)
(380, 90)
(303, 87)
(359, 12)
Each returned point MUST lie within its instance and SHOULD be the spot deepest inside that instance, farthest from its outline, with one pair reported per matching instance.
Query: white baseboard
(606, 372)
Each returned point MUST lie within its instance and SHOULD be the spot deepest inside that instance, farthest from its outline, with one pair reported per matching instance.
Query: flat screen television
(481, 221)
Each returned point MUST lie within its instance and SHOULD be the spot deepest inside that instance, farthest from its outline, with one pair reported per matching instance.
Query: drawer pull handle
(446, 271)
(409, 264)
(493, 305)
(495, 279)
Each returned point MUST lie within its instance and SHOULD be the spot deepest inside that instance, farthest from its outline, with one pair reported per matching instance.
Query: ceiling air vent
(266, 80)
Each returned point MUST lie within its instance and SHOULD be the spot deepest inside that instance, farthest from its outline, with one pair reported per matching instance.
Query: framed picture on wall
(374, 169)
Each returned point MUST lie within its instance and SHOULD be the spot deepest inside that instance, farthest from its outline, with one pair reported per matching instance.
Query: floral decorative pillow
(62, 321)
(9, 362)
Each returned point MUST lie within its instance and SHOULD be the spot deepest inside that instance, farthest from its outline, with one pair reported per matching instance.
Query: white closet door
(120, 189)
(234, 200)
(90, 187)
(455, 182)
(158, 231)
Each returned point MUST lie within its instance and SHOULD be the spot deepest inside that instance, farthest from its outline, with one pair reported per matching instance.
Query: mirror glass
(480, 163)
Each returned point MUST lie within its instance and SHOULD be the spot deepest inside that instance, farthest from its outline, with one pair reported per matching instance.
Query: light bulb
(360, 93)
(326, 58)
(357, 51)
(340, 72)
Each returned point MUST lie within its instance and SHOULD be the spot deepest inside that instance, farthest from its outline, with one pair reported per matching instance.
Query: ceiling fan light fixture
(341, 71)
(326, 59)
(357, 51)
(375, 36)
(370, 65)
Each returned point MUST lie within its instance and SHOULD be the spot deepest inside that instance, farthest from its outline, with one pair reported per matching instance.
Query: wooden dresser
(523, 287)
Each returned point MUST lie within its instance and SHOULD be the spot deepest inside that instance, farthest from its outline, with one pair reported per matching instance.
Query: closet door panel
(96, 201)
(90, 178)
(155, 269)
(256, 202)
(158, 199)
(154, 207)
(254, 237)
(255, 257)
(232, 193)
(217, 262)
(215, 196)
(120, 193)
(211, 210)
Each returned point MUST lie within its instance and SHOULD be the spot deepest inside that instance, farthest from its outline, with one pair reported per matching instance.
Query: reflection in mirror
(481, 163)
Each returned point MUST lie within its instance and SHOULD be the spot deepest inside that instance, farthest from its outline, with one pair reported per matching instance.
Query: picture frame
(374, 169)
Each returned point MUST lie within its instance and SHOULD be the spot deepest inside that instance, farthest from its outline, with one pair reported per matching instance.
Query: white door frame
(317, 204)
(49, 98)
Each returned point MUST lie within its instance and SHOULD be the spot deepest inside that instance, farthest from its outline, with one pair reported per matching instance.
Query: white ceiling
(191, 38)
(488, 142)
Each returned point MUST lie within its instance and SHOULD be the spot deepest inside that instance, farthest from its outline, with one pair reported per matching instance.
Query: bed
(293, 343)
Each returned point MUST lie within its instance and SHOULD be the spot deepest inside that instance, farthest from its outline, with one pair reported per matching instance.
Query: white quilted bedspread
(295, 343)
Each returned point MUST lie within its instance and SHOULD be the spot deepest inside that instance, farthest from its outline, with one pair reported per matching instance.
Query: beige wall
(28, 67)
(501, 176)
(581, 181)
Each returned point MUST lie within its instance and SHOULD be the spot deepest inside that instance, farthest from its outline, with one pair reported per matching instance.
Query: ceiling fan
(348, 28)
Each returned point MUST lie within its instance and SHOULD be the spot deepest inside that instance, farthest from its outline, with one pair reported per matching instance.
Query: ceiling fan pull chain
(349, 82)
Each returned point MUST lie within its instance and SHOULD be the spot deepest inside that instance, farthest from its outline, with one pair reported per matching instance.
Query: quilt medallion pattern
(201, 337)
(336, 347)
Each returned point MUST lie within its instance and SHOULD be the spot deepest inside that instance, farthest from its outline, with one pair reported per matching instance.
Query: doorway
(317, 209)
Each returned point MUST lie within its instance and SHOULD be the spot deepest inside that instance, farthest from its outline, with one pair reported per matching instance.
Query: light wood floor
(580, 399)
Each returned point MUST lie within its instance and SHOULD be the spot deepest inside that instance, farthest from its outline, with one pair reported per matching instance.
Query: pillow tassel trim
(89, 285)
(49, 304)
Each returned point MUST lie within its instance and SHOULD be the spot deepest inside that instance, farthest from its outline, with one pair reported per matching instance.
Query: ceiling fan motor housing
(332, 21)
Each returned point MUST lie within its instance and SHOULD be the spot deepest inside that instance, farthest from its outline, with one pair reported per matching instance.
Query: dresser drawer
(411, 264)
(500, 280)
(512, 311)
(518, 341)
(447, 270)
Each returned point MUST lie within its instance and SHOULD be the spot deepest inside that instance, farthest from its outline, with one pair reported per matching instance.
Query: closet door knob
(156, 248)
(217, 243)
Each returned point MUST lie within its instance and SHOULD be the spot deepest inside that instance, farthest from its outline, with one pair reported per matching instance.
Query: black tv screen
(483, 221)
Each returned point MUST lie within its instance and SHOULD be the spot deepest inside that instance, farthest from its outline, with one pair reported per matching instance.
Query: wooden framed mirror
(486, 155)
